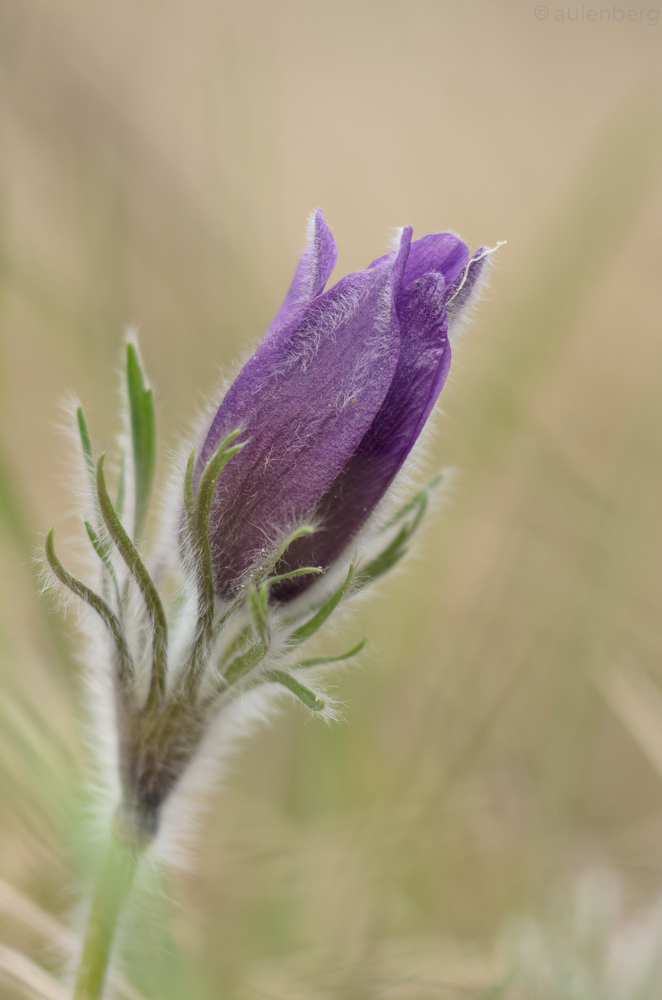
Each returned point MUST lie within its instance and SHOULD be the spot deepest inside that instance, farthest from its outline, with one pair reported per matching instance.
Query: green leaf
(305, 529)
(318, 660)
(198, 512)
(205, 494)
(310, 627)
(85, 443)
(397, 547)
(104, 555)
(143, 436)
(210, 474)
(278, 553)
(257, 609)
(302, 571)
(386, 559)
(241, 665)
(189, 499)
(419, 501)
(149, 593)
(239, 640)
(304, 694)
(110, 620)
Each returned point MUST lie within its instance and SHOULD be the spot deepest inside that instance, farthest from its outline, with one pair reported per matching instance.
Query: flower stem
(112, 888)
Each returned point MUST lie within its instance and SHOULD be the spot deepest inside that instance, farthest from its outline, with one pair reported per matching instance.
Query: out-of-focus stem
(112, 888)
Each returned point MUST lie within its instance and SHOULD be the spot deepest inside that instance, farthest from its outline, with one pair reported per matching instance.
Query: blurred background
(498, 772)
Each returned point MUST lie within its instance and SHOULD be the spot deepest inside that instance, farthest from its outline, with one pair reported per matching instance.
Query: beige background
(158, 161)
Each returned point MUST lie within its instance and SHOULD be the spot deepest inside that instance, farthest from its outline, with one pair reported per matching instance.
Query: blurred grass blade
(15, 518)
(35, 783)
(618, 178)
(25, 912)
(636, 701)
(24, 978)
(28, 915)
(12, 510)
(143, 436)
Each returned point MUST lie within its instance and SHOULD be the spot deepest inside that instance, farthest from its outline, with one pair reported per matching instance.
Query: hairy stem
(112, 888)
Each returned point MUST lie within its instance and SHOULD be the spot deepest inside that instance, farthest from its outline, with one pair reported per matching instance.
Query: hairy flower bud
(306, 442)
(333, 400)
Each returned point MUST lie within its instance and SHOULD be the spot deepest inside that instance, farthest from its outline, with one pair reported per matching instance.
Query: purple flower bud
(333, 400)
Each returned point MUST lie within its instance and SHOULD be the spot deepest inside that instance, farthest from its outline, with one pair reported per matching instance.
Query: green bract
(163, 707)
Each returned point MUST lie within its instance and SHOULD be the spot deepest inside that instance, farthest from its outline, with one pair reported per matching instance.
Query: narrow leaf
(302, 571)
(110, 620)
(199, 521)
(143, 436)
(420, 500)
(241, 665)
(239, 640)
(386, 559)
(396, 548)
(318, 660)
(189, 500)
(308, 697)
(257, 609)
(149, 593)
(201, 508)
(209, 479)
(310, 627)
(305, 529)
(277, 554)
(197, 512)
(85, 443)
(104, 555)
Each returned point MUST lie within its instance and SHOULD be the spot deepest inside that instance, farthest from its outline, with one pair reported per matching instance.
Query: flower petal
(314, 270)
(465, 286)
(422, 369)
(304, 401)
(443, 253)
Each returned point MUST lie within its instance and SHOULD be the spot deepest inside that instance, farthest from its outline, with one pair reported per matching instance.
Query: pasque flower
(300, 452)
(333, 400)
